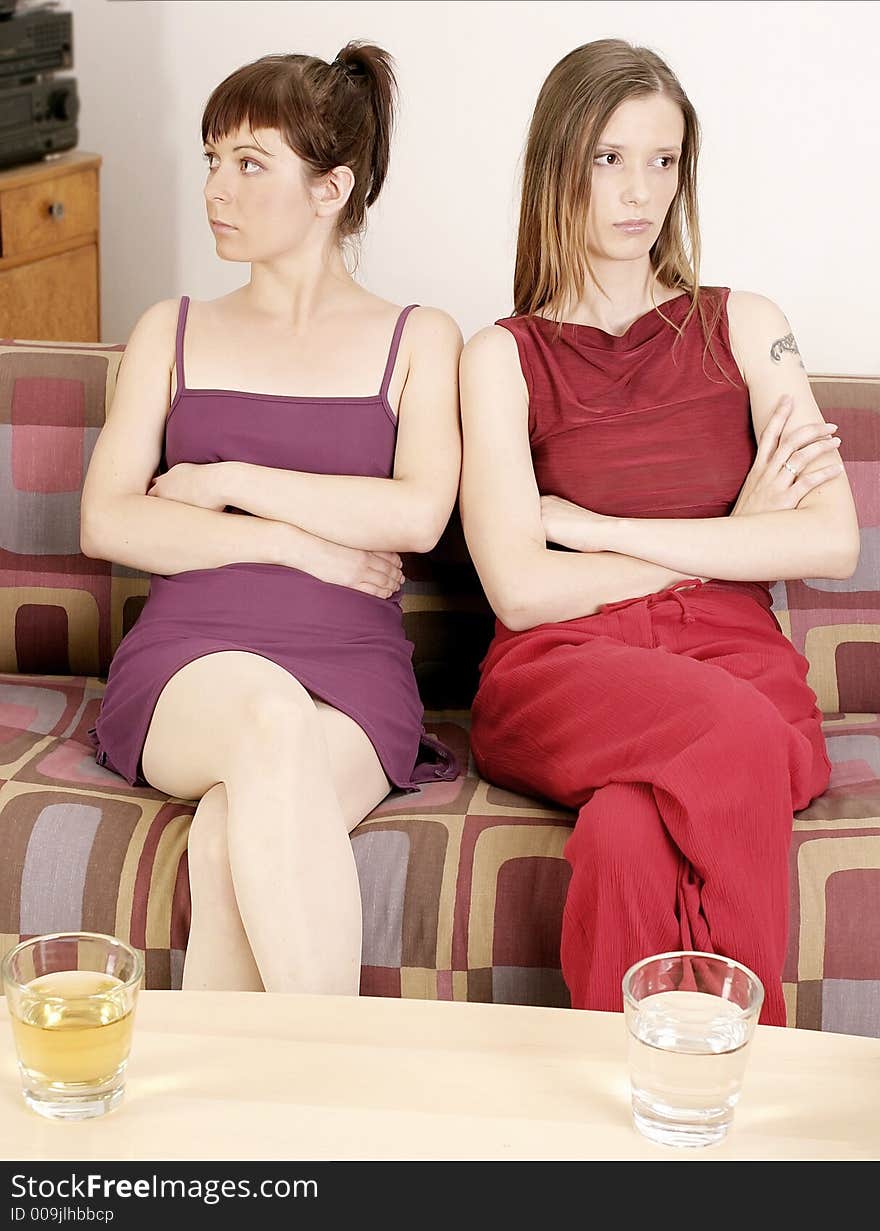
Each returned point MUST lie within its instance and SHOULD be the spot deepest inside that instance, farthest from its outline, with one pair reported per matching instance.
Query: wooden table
(243, 1076)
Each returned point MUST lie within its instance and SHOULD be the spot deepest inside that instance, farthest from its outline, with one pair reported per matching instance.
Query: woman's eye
(668, 159)
(249, 162)
(207, 158)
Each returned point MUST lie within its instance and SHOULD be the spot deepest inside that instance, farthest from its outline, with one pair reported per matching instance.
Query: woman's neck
(298, 287)
(623, 303)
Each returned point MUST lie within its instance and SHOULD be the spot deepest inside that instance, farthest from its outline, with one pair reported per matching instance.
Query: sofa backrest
(63, 613)
(836, 624)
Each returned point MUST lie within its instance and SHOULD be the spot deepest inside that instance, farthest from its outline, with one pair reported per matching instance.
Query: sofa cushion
(448, 619)
(59, 611)
(462, 883)
(836, 624)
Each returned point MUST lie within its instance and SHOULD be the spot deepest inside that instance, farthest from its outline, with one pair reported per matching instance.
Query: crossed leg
(281, 779)
(685, 775)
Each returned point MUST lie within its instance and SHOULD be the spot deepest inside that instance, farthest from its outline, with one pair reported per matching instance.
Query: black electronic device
(38, 119)
(32, 42)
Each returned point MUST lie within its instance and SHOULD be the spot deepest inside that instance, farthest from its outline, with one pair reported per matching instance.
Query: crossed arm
(405, 513)
(186, 529)
(802, 529)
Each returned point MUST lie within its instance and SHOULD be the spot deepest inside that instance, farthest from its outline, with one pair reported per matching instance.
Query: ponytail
(369, 68)
(331, 115)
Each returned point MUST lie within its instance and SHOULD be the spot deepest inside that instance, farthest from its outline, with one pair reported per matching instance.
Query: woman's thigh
(205, 713)
(230, 702)
(355, 767)
(582, 715)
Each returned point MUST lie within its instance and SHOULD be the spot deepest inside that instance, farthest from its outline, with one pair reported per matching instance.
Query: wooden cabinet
(49, 266)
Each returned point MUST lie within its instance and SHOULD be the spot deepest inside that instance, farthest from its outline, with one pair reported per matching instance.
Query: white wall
(786, 94)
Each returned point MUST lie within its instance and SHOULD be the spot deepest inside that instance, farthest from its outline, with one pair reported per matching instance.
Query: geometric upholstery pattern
(462, 883)
(836, 623)
(59, 610)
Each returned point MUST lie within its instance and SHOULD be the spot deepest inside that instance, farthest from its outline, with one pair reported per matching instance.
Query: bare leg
(218, 953)
(298, 776)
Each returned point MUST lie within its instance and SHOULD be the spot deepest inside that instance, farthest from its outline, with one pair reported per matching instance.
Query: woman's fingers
(806, 434)
(381, 578)
(773, 429)
(808, 453)
(808, 482)
(392, 575)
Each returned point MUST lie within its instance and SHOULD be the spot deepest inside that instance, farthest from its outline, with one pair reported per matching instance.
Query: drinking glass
(690, 1018)
(71, 998)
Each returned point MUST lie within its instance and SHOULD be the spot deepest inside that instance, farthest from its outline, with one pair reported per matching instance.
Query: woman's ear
(332, 190)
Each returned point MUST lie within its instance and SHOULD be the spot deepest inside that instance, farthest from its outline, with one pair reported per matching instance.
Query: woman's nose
(217, 186)
(637, 189)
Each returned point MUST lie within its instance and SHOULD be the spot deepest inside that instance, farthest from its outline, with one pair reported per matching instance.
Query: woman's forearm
(167, 537)
(357, 511)
(563, 585)
(791, 543)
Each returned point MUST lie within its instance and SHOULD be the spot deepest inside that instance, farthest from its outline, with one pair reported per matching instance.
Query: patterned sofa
(463, 884)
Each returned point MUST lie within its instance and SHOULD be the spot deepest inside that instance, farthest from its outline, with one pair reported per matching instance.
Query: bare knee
(281, 714)
(208, 708)
(207, 848)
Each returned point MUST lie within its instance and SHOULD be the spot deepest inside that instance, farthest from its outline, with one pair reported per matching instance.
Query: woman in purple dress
(267, 456)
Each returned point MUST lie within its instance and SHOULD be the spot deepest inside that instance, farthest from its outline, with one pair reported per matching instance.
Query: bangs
(258, 96)
(328, 115)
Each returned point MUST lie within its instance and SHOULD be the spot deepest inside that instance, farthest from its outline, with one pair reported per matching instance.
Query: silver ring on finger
(790, 469)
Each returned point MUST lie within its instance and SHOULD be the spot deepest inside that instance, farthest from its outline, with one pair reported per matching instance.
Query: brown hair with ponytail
(331, 115)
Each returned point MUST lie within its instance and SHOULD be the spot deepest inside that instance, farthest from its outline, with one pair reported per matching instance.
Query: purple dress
(346, 647)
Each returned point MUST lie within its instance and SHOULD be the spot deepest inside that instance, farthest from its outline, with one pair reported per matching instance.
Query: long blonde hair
(574, 105)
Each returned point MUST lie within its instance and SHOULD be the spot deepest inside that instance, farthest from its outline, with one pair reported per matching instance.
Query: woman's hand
(776, 480)
(572, 526)
(372, 572)
(191, 483)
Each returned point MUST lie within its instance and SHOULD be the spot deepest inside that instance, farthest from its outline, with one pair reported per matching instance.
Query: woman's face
(260, 190)
(635, 176)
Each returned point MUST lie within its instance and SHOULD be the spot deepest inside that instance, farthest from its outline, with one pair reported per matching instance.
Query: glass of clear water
(71, 998)
(690, 1018)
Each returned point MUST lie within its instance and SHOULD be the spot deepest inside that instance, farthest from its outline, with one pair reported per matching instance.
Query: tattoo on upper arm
(781, 345)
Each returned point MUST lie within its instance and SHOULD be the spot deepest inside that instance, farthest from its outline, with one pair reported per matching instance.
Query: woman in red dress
(642, 453)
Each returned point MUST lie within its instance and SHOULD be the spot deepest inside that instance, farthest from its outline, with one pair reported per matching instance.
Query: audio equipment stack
(38, 108)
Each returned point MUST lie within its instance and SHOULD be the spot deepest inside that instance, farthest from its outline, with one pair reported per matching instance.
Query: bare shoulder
(142, 393)
(750, 313)
(759, 329)
(153, 335)
(494, 389)
(432, 327)
(492, 347)
(159, 318)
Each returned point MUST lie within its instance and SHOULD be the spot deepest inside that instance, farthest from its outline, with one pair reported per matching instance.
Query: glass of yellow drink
(71, 998)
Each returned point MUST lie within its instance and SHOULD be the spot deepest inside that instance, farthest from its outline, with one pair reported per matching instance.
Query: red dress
(679, 725)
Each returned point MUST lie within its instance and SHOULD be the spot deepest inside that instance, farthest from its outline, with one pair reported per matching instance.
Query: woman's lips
(632, 228)
(221, 226)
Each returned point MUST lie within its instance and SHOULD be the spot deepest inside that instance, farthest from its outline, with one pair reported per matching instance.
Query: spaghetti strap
(321, 634)
(178, 347)
(392, 354)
